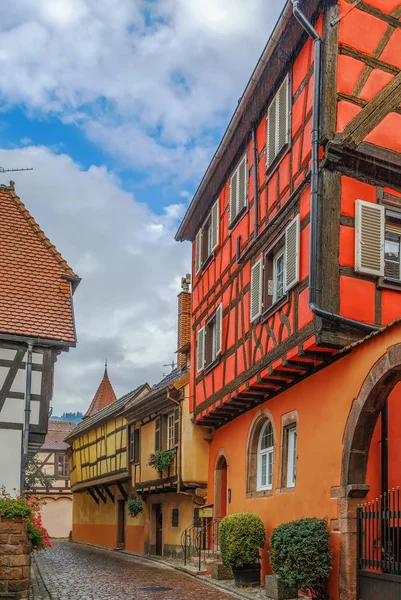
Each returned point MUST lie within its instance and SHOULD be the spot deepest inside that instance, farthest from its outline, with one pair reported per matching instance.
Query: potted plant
(161, 460)
(300, 556)
(134, 507)
(241, 537)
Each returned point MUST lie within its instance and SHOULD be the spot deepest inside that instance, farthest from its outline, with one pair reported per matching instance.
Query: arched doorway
(220, 487)
(363, 418)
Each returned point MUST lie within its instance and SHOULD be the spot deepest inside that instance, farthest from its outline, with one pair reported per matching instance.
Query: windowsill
(389, 284)
(271, 169)
(287, 490)
(211, 365)
(238, 218)
(259, 494)
(272, 309)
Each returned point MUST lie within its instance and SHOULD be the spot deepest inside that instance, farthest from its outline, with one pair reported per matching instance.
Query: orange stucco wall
(323, 403)
(98, 534)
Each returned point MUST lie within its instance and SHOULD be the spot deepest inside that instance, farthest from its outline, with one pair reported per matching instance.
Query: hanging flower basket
(134, 507)
(161, 460)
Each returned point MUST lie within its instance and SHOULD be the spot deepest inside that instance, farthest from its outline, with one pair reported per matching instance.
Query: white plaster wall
(10, 458)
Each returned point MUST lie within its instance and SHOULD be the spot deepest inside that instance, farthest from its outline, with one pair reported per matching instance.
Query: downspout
(27, 415)
(255, 184)
(179, 441)
(317, 72)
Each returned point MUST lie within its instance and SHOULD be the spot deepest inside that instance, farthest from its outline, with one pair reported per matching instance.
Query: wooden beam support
(92, 493)
(122, 490)
(108, 492)
(101, 496)
(373, 114)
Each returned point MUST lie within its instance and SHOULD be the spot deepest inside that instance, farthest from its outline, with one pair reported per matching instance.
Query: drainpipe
(24, 462)
(384, 452)
(179, 441)
(317, 71)
(255, 183)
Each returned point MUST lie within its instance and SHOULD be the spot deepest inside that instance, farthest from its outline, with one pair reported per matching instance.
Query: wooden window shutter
(158, 434)
(176, 426)
(292, 254)
(256, 289)
(233, 196)
(198, 251)
(271, 132)
(201, 349)
(131, 444)
(282, 116)
(369, 238)
(242, 184)
(219, 329)
(215, 224)
(137, 444)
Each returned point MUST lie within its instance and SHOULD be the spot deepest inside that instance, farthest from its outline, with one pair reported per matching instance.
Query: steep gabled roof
(109, 412)
(35, 299)
(104, 396)
(56, 434)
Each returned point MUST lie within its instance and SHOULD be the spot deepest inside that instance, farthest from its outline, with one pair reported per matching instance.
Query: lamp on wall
(229, 495)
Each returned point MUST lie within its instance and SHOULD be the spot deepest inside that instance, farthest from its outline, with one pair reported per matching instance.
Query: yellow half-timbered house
(99, 469)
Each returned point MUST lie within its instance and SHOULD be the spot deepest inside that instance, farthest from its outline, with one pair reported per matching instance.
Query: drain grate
(156, 588)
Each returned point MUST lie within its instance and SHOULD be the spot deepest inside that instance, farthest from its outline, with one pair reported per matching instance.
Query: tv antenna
(171, 365)
(4, 170)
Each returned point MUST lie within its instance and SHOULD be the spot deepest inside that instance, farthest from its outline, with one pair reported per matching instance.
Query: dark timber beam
(92, 493)
(101, 496)
(122, 490)
(108, 492)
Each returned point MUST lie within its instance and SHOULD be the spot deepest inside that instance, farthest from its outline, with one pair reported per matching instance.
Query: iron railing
(201, 541)
(379, 534)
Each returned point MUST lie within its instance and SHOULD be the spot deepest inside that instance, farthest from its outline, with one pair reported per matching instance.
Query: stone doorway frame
(365, 411)
(220, 460)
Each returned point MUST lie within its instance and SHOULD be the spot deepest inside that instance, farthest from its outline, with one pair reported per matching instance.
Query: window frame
(204, 248)
(170, 430)
(65, 466)
(291, 458)
(134, 445)
(239, 210)
(278, 150)
(269, 453)
(276, 257)
(211, 354)
(177, 509)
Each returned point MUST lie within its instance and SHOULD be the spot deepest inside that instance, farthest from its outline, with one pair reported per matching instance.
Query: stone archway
(220, 485)
(365, 411)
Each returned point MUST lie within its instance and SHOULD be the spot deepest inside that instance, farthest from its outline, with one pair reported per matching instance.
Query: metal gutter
(255, 184)
(320, 312)
(27, 415)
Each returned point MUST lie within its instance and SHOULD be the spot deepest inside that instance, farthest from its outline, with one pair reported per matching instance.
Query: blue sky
(119, 106)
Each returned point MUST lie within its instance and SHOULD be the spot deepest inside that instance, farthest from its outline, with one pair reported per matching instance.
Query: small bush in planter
(134, 507)
(300, 555)
(241, 537)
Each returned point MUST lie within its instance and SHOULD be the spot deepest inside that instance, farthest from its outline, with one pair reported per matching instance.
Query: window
(265, 457)
(158, 434)
(210, 341)
(273, 275)
(175, 517)
(62, 466)
(207, 238)
(170, 431)
(392, 264)
(278, 122)
(134, 445)
(197, 518)
(291, 435)
(238, 189)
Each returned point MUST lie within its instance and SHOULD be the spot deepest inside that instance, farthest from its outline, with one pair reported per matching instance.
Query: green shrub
(241, 536)
(134, 506)
(300, 555)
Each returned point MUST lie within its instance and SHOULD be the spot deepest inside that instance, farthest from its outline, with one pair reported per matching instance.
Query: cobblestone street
(76, 572)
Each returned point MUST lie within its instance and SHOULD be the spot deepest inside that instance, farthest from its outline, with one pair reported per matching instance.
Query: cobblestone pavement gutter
(71, 571)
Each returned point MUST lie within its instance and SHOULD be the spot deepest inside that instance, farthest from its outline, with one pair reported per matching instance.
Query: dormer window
(208, 237)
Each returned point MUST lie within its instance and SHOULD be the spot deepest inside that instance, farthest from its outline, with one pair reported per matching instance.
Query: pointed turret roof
(104, 396)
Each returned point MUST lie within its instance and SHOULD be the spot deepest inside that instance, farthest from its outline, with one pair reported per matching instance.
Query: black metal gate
(379, 548)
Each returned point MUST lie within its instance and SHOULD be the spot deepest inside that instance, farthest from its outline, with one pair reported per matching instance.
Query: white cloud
(126, 303)
(148, 80)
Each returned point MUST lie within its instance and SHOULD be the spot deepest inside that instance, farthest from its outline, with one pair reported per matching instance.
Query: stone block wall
(15, 560)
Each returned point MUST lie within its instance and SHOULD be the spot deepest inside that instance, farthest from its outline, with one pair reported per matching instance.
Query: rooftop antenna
(4, 170)
(171, 365)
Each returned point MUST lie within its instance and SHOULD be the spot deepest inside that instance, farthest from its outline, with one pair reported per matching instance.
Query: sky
(119, 105)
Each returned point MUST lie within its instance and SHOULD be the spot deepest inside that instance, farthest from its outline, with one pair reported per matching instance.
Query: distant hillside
(75, 417)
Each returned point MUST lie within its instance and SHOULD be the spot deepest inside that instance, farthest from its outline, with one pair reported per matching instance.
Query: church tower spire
(104, 396)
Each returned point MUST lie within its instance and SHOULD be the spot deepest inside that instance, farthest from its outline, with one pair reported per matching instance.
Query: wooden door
(158, 508)
(121, 524)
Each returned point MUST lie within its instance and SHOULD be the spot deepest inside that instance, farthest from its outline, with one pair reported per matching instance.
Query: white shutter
(242, 184)
(369, 238)
(271, 132)
(198, 251)
(282, 116)
(219, 329)
(256, 289)
(233, 196)
(201, 348)
(292, 254)
(215, 224)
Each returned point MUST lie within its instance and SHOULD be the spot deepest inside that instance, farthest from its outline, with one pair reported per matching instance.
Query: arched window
(265, 457)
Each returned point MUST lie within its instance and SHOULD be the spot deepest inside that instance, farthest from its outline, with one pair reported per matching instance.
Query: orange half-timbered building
(296, 232)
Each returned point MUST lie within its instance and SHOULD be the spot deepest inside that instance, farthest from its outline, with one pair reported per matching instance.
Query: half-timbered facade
(99, 468)
(36, 324)
(295, 230)
(52, 459)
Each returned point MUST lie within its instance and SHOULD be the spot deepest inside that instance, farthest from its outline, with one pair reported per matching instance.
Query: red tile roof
(35, 296)
(57, 432)
(104, 396)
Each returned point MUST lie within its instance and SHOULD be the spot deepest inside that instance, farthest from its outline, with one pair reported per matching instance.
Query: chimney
(184, 321)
